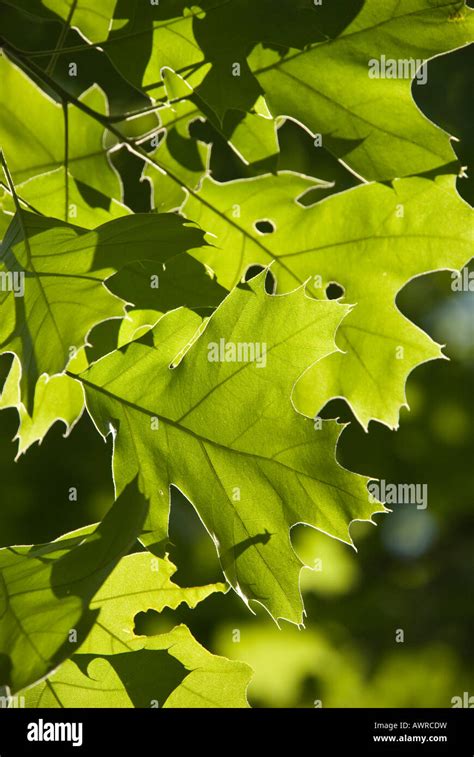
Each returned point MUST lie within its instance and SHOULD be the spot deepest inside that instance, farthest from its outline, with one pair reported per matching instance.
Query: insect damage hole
(334, 291)
(270, 282)
(265, 226)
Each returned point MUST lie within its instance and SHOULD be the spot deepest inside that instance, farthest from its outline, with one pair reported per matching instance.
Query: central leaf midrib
(197, 436)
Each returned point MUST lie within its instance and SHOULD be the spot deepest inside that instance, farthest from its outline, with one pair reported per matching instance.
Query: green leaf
(140, 582)
(116, 668)
(231, 212)
(136, 324)
(312, 65)
(180, 282)
(174, 148)
(47, 191)
(226, 435)
(57, 398)
(6, 213)
(169, 670)
(39, 136)
(64, 268)
(373, 125)
(163, 37)
(371, 240)
(119, 106)
(45, 592)
(91, 18)
(201, 43)
(251, 135)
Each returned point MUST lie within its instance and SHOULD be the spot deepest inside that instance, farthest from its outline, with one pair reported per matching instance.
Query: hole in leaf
(201, 129)
(153, 141)
(334, 291)
(270, 281)
(265, 226)
(151, 622)
(310, 197)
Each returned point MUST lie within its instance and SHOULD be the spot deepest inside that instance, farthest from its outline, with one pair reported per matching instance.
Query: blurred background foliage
(414, 572)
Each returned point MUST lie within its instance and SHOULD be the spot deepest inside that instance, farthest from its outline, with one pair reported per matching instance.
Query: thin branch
(22, 200)
(66, 26)
(17, 204)
(138, 150)
(66, 160)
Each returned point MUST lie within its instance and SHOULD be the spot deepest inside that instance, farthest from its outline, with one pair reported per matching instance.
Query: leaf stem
(138, 150)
